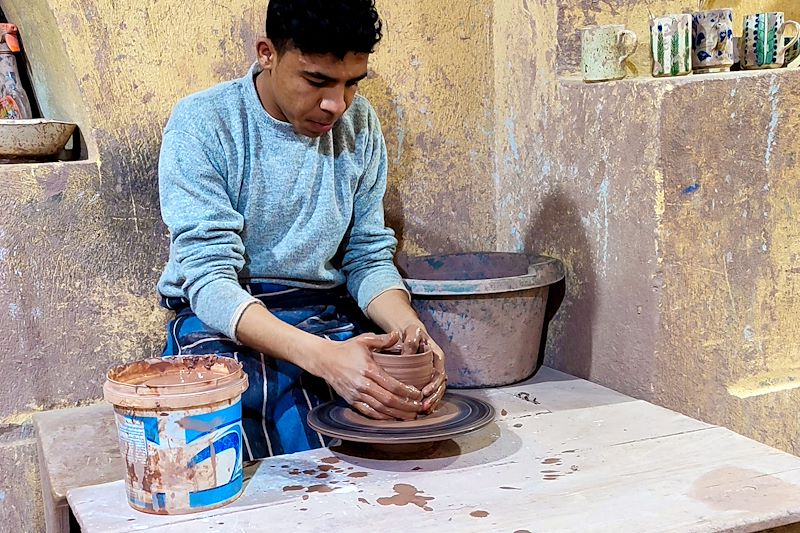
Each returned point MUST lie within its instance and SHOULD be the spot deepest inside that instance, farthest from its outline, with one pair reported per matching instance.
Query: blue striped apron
(281, 394)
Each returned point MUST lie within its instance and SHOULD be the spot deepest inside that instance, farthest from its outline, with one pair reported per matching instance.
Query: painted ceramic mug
(712, 40)
(792, 50)
(671, 42)
(604, 50)
(762, 41)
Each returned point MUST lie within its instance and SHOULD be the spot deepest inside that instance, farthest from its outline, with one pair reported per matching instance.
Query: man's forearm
(261, 330)
(392, 311)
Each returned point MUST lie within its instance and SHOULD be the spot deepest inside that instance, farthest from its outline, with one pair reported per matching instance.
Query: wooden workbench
(563, 455)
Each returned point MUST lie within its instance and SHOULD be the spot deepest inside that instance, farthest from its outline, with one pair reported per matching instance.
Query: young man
(272, 188)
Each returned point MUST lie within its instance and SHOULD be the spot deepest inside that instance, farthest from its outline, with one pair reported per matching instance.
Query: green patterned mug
(671, 40)
(762, 40)
(792, 50)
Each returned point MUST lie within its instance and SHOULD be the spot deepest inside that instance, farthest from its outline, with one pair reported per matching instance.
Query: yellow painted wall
(432, 86)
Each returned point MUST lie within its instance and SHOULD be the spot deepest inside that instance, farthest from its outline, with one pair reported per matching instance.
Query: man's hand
(352, 372)
(412, 337)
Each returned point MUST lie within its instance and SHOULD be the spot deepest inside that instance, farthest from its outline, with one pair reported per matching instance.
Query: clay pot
(412, 369)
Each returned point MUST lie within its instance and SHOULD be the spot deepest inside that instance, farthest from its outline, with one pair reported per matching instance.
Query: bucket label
(190, 459)
(132, 439)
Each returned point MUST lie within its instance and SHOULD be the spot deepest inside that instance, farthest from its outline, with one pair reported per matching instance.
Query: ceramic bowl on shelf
(33, 139)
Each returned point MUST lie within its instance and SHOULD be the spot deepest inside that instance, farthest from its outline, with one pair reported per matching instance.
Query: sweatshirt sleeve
(369, 245)
(204, 230)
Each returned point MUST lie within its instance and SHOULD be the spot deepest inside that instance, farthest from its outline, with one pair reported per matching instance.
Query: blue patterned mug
(712, 40)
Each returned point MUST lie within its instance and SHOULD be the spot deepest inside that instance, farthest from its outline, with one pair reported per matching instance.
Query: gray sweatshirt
(248, 200)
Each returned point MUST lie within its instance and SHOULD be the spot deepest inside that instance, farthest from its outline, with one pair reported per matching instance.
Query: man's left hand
(412, 337)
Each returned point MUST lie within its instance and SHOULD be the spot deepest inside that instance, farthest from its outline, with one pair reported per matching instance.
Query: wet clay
(407, 494)
(415, 370)
(174, 371)
(445, 413)
(158, 404)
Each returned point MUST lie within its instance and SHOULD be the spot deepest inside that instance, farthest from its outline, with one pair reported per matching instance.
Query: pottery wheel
(456, 415)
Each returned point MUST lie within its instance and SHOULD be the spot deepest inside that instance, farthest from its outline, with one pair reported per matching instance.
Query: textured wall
(432, 86)
(673, 204)
(82, 244)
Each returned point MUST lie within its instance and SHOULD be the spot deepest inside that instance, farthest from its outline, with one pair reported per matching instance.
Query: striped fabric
(280, 395)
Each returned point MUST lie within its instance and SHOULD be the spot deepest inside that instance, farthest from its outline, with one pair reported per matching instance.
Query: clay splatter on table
(503, 412)
(364, 500)
(479, 514)
(330, 460)
(551, 461)
(407, 494)
(358, 474)
(510, 488)
(319, 488)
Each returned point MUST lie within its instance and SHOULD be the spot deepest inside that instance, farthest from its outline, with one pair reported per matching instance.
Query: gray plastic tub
(485, 310)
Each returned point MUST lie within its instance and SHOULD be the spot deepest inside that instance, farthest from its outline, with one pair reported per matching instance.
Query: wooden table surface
(563, 455)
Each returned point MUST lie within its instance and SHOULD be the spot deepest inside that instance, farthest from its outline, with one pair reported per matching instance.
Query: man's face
(309, 91)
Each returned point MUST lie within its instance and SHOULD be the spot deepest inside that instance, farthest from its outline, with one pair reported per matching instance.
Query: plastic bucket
(180, 431)
(485, 310)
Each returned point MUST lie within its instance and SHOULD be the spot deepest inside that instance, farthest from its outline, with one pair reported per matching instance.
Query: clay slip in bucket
(180, 431)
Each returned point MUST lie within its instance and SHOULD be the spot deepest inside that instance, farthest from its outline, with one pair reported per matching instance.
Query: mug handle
(796, 35)
(634, 44)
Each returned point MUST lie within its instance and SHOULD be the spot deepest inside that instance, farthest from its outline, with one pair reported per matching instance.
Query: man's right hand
(352, 372)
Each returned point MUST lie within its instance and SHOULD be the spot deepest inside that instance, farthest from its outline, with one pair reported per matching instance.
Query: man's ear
(266, 53)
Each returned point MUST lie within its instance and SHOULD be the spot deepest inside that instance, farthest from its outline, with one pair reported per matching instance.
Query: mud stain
(319, 488)
(289, 488)
(364, 500)
(551, 461)
(326, 468)
(479, 514)
(503, 412)
(321, 476)
(358, 474)
(744, 489)
(407, 494)
(331, 460)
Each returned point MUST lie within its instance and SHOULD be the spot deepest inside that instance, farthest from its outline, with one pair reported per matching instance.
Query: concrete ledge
(77, 447)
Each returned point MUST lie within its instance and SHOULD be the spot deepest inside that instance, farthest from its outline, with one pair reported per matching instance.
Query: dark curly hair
(324, 26)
